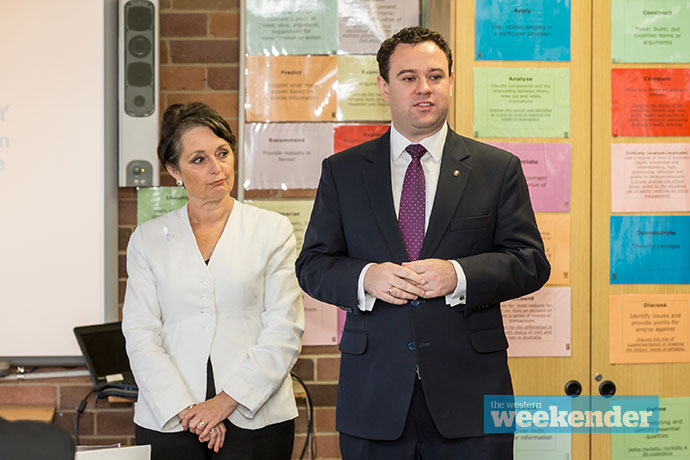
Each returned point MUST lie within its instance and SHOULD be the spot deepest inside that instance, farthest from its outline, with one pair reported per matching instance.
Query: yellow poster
(649, 328)
(359, 98)
(297, 211)
(291, 88)
(555, 231)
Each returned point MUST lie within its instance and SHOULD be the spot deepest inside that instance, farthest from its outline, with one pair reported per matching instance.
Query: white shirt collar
(433, 144)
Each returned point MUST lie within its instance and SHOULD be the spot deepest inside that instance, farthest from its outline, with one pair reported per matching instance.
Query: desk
(37, 413)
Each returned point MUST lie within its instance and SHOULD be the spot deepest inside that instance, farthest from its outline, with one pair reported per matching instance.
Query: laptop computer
(103, 347)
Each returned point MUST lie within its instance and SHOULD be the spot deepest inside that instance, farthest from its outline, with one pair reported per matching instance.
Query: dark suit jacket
(482, 217)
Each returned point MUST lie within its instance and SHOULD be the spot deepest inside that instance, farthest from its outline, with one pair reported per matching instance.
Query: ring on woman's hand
(390, 290)
(201, 424)
(213, 430)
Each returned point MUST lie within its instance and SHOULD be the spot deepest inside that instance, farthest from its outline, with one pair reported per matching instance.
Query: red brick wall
(199, 53)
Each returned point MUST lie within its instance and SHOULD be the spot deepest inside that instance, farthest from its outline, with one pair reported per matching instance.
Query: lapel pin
(456, 173)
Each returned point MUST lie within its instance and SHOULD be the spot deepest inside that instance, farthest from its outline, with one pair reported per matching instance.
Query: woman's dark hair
(178, 118)
(410, 36)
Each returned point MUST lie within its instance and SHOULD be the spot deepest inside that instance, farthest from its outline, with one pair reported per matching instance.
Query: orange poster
(291, 88)
(346, 136)
(650, 102)
(555, 231)
(649, 328)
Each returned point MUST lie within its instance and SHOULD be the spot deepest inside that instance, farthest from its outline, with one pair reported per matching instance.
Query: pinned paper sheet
(555, 231)
(649, 328)
(521, 102)
(547, 170)
(671, 442)
(650, 177)
(364, 24)
(535, 446)
(291, 88)
(281, 27)
(284, 156)
(650, 249)
(155, 201)
(522, 30)
(346, 136)
(650, 102)
(650, 31)
(321, 322)
(359, 97)
(539, 324)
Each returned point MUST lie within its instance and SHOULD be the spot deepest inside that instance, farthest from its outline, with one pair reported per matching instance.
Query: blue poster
(522, 30)
(650, 249)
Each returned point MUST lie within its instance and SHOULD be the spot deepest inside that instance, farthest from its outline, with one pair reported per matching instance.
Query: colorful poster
(155, 201)
(521, 102)
(650, 177)
(291, 88)
(346, 136)
(297, 211)
(321, 322)
(672, 441)
(649, 328)
(650, 249)
(542, 446)
(282, 156)
(281, 27)
(650, 102)
(650, 31)
(547, 170)
(538, 324)
(364, 24)
(555, 231)
(358, 94)
(522, 30)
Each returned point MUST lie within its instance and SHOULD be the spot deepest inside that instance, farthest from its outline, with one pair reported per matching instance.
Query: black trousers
(422, 440)
(274, 442)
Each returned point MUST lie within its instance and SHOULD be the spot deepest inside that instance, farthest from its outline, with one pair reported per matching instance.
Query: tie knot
(416, 151)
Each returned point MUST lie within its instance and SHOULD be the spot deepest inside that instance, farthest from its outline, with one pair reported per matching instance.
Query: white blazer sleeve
(157, 377)
(268, 362)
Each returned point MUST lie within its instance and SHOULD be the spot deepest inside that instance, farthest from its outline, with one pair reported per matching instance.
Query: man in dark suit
(419, 235)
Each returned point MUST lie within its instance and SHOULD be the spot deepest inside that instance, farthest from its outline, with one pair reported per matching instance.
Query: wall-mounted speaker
(138, 92)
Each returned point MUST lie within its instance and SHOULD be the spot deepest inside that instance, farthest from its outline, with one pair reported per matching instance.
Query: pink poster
(650, 177)
(538, 324)
(321, 322)
(547, 170)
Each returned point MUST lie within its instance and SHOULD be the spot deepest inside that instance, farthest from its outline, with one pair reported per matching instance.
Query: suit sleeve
(324, 269)
(156, 375)
(517, 265)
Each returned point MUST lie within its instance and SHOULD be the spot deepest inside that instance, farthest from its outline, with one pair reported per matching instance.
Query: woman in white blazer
(213, 314)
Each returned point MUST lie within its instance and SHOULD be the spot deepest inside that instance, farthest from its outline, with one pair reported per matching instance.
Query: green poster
(156, 201)
(534, 446)
(521, 102)
(672, 441)
(282, 27)
(297, 211)
(359, 98)
(650, 31)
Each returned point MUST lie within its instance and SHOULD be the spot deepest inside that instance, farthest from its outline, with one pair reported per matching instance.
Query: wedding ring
(213, 430)
(390, 291)
(201, 424)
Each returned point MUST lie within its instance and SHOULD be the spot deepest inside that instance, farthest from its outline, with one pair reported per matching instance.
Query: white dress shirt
(431, 163)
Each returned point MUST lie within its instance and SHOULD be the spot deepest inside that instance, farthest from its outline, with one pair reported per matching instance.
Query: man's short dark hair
(178, 118)
(411, 36)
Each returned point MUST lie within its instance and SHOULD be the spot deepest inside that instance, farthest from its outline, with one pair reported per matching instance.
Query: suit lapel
(377, 181)
(451, 185)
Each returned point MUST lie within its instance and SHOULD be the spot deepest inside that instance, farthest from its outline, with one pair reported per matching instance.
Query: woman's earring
(179, 182)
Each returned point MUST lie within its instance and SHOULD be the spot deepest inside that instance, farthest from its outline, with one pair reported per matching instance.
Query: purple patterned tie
(413, 203)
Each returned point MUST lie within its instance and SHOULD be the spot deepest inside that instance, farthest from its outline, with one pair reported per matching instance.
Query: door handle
(607, 388)
(573, 388)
